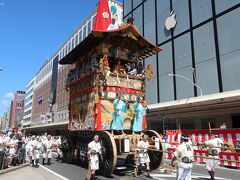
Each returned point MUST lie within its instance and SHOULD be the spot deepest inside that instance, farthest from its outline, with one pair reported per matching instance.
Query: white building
(28, 103)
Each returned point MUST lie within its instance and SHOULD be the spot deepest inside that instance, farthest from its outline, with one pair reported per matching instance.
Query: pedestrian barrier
(199, 156)
(232, 156)
(227, 135)
(225, 158)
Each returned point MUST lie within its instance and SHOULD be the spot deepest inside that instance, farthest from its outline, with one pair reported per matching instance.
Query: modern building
(6, 124)
(17, 109)
(50, 98)
(197, 72)
(2, 121)
(28, 103)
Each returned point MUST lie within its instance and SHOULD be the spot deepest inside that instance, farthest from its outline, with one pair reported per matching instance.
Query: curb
(13, 168)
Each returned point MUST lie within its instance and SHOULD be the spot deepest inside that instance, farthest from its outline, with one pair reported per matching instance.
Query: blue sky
(30, 32)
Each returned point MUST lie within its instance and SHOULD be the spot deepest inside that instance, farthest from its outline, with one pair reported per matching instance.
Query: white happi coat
(29, 148)
(94, 150)
(36, 145)
(184, 152)
(58, 143)
(47, 152)
(142, 148)
(213, 153)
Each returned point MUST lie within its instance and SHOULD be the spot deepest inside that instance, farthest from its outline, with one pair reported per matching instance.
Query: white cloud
(5, 102)
(9, 95)
(2, 4)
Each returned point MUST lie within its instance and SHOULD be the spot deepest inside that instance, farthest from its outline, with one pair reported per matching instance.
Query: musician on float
(140, 111)
(120, 107)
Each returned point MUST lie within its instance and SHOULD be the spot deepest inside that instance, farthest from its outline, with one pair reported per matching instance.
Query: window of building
(204, 43)
(201, 10)
(65, 50)
(181, 9)
(222, 5)
(163, 9)
(165, 66)
(40, 100)
(72, 43)
(183, 65)
(127, 6)
(205, 59)
(207, 70)
(76, 39)
(136, 3)
(151, 87)
(149, 21)
(229, 48)
(183, 53)
(137, 15)
(69, 46)
(93, 20)
(166, 88)
(84, 32)
(80, 36)
(184, 87)
(89, 27)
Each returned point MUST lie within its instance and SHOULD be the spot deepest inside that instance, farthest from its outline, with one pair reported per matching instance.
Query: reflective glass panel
(183, 84)
(204, 44)
(201, 10)
(183, 56)
(181, 8)
(222, 5)
(127, 6)
(137, 15)
(149, 21)
(163, 11)
(206, 77)
(229, 47)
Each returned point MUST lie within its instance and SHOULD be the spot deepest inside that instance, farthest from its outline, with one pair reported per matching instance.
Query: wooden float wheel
(156, 158)
(109, 152)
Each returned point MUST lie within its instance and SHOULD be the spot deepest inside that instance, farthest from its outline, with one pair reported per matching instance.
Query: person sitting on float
(119, 69)
(139, 69)
(133, 70)
(114, 25)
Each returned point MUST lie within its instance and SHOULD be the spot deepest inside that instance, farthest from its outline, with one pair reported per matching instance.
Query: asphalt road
(76, 172)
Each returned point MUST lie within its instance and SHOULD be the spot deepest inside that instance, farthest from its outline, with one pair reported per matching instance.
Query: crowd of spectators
(16, 148)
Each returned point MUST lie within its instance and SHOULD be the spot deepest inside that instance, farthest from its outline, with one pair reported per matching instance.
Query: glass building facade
(204, 46)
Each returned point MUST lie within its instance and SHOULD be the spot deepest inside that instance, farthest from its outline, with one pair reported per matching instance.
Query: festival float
(108, 63)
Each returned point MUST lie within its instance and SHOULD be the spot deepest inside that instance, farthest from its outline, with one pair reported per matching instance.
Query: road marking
(219, 167)
(194, 175)
(62, 177)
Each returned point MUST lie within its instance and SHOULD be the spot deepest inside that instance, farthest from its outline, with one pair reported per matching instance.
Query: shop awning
(219, 103)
